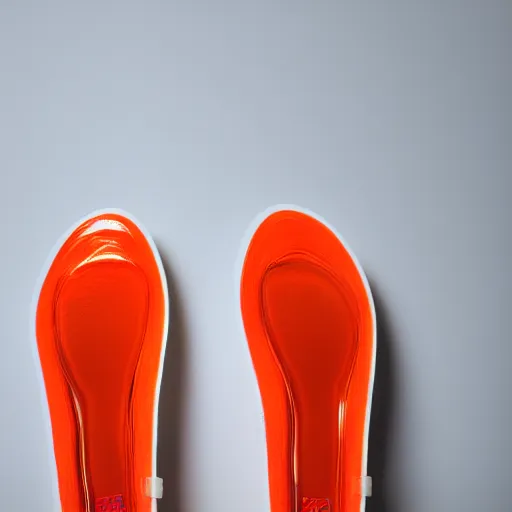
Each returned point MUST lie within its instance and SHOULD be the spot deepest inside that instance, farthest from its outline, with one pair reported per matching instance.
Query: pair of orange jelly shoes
(100, 326)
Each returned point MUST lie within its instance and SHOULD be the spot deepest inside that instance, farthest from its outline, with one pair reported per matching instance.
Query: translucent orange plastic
(100, 326)
(309, 322)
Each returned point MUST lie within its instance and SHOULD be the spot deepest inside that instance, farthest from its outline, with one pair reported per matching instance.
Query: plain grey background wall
(393, 120)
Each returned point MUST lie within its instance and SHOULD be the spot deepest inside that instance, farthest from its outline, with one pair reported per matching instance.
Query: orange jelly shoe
(101, 329)
(309, 320)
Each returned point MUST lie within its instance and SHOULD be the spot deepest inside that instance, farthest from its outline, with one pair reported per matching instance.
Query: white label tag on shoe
(366, 486)
(154, 487)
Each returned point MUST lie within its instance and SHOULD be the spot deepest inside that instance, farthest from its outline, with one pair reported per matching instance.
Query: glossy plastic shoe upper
(101, 328)
(309, 319)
